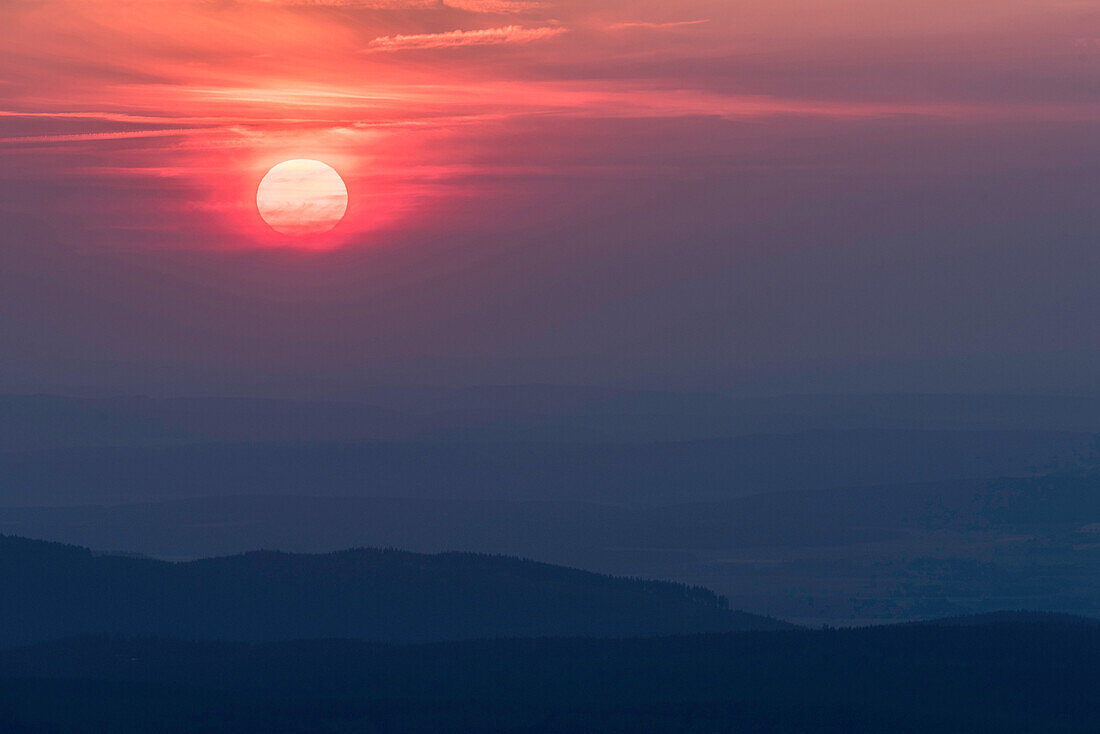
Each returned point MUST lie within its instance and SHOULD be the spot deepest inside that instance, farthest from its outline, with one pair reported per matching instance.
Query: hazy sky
(750, 196)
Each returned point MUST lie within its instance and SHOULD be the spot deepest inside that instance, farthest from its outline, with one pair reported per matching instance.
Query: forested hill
(53, 591)
(998, 677)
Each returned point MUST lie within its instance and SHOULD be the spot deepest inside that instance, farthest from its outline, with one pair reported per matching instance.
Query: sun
(302, 197)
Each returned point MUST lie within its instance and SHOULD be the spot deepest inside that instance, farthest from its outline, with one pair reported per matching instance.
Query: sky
(752, 197)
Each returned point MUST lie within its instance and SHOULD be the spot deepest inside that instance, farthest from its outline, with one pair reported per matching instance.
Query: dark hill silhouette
(988, 678)
(881, 553)
(53, 591)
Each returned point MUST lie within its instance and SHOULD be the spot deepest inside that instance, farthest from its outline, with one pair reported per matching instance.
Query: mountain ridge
(384, 595)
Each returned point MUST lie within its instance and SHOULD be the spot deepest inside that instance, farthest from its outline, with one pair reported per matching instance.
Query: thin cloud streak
(656, 25)
(498, 7)
(491, 7)
(452, 39)
(121, 135)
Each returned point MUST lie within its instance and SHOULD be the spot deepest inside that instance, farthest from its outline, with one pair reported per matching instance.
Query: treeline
(999, 677)
(54, 591)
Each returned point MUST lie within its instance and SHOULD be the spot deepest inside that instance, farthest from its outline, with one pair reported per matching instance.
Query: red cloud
(495, 6)
(483, 37)
(652, 25)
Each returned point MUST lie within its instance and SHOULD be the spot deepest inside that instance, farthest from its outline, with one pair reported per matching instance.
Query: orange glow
(302, 197)
(452, 113)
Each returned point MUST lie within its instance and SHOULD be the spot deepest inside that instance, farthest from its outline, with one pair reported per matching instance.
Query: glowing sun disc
(302, 197)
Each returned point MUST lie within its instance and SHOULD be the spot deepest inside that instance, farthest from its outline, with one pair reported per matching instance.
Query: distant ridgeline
(53, 591)
(526, 443)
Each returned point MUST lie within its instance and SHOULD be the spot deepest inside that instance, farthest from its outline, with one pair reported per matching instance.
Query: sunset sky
(854, 195)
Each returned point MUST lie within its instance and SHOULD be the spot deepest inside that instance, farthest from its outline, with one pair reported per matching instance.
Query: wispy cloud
(483, 37)
(116, 135)
(500, 7)
(496, 6)
(656, 25)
